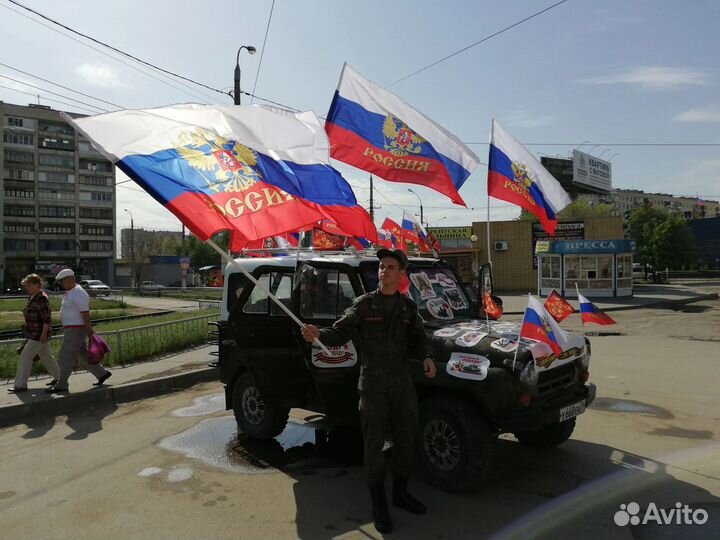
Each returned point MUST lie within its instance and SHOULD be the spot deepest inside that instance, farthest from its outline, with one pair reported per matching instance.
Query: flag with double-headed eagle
(516, 176)
(376, 131)
(256, 171)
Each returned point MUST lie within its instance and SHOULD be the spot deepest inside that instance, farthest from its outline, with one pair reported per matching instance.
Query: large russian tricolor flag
(590, 313)
(256, 171)
(516, 176)
(376, 131)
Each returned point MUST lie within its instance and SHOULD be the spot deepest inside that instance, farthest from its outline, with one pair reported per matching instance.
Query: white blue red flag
(256, 171)
(516, 176)
(590, 313)
(415, 233)
(386, 239)
(376, 131)
(539, 325)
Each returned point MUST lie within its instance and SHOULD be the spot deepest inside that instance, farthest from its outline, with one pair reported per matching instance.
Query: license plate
(571, 411)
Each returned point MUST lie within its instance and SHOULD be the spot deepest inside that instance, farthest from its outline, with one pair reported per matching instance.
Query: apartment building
(57, 198)
(627, 200)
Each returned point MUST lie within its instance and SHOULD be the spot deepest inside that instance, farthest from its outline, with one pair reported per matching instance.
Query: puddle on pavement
(299, 448)
(202, 406)
(630, 406)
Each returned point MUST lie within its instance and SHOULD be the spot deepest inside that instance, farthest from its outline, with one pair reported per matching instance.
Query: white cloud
(707, 115)
(525, 119)
(653, 78)
(99, 75)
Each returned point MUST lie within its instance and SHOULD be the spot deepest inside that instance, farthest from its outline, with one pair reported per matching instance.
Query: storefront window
(624, 271)
(588, 272)
(550, 272)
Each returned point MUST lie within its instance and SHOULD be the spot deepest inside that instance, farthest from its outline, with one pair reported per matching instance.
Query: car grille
(556, 379)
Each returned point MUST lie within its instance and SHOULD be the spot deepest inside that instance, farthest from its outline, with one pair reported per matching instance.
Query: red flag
(397, 232)
(558, 307)
(325, 240)
(491, 308)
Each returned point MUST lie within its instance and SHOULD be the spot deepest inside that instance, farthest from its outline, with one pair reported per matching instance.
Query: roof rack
(348, 251)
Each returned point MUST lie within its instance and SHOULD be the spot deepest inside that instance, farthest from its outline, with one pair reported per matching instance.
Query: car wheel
(257, 417)
(454, 446)
(549, 436)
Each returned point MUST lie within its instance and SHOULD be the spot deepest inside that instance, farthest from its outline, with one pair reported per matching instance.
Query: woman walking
(37, 333)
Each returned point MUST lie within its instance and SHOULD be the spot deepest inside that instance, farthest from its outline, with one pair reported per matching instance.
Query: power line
(61, 86)
(48, 99)
(53, 93)
(483, 40)
(609, 144)
(90, 38)
(262, 53)
(136, 68)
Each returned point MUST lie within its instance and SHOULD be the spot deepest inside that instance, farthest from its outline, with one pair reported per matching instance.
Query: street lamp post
(132, 247)
(236, 94)
(422, 221)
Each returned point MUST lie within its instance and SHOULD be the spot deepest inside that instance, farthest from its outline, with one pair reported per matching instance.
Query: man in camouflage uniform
(390, 333)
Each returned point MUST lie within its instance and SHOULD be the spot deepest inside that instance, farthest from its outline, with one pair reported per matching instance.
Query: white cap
(62, 274)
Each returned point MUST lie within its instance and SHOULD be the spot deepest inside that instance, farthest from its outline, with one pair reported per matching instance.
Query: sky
(613, 78)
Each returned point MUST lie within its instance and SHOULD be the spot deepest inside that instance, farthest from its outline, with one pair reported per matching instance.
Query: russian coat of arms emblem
(400, 140)
(226, 165)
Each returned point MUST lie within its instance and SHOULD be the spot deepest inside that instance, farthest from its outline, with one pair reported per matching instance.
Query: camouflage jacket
(388, 342)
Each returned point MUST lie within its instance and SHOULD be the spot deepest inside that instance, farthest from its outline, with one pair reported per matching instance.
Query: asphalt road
(173, 468)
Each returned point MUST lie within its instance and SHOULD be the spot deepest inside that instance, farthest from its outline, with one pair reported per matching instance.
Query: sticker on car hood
(468, 366)
(446, 332)
(470, 339)
(440, 309)
(342, 356)
(504, 345)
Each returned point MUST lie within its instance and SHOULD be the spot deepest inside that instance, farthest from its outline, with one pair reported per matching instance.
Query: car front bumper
(545, 413)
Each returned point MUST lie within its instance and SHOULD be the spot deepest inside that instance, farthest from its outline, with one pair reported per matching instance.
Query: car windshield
(94, 282)
(434, 289)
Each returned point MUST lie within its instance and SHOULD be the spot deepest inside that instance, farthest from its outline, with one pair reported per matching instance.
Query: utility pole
(372, 204)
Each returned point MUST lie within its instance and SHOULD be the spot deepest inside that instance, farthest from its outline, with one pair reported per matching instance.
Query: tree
(578, 209)
(662, 239)
(201, 254)
(672, 244)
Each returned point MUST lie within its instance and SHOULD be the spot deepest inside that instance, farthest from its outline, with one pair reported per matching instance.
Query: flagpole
(272, 297)
(487, 224)
(518, 338)
(582, 321)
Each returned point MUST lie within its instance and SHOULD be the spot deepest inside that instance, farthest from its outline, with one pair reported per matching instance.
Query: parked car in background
(642, 271)
(151, 286)
(95, 287)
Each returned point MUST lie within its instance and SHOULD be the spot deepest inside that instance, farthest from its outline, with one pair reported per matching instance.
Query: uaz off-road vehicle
(482, 388)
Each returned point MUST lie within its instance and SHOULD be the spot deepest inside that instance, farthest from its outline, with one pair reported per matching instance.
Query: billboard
(591, 172)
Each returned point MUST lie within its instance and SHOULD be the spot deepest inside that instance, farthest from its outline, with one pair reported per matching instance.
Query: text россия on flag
(376, 131)
(256, 171)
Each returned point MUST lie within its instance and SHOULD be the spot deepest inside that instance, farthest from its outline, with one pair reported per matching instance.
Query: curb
(658, 304)
(108, 395)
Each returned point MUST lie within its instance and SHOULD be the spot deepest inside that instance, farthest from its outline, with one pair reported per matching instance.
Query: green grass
(127, 347)
(18, 304)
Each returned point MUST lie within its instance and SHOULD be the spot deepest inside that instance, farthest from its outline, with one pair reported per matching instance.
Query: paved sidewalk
(129, 383)
(182, 370)
(646, 296)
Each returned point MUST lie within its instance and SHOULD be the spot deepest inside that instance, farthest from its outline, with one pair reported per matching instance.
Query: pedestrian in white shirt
(75, 318)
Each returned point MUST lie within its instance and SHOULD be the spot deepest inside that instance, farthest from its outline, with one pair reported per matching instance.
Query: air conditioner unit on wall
(501, 246)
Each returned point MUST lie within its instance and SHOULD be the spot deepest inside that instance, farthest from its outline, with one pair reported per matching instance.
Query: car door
(323, 291)
(263, 334)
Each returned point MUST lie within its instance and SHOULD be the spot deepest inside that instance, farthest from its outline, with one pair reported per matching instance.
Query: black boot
(402, 499)
(381, 515)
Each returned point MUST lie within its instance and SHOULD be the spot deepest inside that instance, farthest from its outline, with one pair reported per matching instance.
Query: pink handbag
(97, 349)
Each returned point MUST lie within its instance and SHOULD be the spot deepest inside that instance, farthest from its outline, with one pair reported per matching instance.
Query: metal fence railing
(128, 345)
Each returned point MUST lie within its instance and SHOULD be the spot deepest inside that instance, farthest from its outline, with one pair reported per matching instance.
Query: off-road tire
(454, 446)
(257, 417)
(549, 436)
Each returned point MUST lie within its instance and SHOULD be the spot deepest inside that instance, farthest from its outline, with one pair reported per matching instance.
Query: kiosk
(599, 268)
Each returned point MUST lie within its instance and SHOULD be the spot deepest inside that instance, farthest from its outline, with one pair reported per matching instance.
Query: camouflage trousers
(388, 415)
